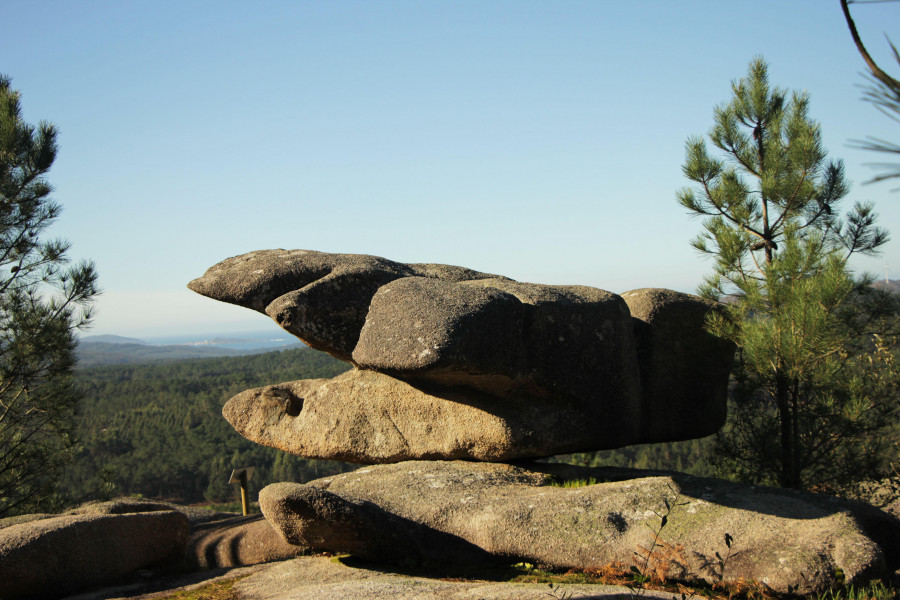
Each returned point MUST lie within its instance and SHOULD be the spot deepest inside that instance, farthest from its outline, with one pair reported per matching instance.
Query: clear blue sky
(538, 140)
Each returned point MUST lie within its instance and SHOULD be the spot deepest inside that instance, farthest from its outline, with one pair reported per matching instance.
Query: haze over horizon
(541, 141)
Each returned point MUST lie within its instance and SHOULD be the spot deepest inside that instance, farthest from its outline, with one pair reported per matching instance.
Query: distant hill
(216, 341)
(110, 339)
(892, 285)
(92, 352)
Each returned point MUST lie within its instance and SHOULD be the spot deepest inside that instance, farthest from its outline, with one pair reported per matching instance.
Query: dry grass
(221, 589)
(619, 574)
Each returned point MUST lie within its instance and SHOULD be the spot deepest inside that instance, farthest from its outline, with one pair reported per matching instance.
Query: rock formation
(54, 555)
(453, 363)
(786, 541)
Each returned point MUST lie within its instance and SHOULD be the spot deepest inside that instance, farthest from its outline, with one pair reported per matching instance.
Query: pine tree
(815, 389)
(43, 301)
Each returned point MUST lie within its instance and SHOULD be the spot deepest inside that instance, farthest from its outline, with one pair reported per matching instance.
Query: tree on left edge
(44, 300)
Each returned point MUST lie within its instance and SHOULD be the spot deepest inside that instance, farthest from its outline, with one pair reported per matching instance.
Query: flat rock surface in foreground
(317, 578)
(785, 540)
(323, 578)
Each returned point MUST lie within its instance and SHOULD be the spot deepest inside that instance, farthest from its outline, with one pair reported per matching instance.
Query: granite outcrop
(452, 363)
(455, 370)
(783, 540)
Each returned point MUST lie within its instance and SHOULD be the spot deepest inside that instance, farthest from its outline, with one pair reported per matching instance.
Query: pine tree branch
(723, 213)
(870, 62)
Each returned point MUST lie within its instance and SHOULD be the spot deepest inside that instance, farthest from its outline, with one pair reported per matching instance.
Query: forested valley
(156, 430)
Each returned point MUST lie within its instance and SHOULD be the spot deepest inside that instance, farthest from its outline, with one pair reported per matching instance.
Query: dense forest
(156, 430)
(690, 456)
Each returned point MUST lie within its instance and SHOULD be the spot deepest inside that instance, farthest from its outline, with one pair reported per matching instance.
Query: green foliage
(814, 389)
(42, 303)
(654, 563)
(874, 590)
(218, 589)
(157, 429)
(575, 483)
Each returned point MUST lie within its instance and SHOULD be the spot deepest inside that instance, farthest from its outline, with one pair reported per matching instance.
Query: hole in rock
(293, 405)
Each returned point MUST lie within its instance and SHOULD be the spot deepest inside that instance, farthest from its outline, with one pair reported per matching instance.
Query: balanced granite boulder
(369, 417)
(52, 556)
(455, 363)
(503, 337)
(788, 541)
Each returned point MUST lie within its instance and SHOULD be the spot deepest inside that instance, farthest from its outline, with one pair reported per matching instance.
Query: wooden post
(245, 509)
(242, 476)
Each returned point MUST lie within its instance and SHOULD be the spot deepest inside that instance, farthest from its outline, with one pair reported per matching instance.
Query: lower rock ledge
(675, 525)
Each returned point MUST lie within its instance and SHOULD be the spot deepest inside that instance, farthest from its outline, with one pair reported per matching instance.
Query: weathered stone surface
(683, 367)
(317, 578)
(440, 322)
(111, 507)
(785, 540)
(120, 506)
(19, 519)
(449, 331)
(321, 298)
(504, 338)
(238, 541)
(329, 578)
(314, 517)
(368, 417)
(53, 556)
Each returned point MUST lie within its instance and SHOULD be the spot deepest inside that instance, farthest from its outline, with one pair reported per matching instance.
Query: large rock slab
(503, 337)
(368, 417)
(788, 541)
(317, 518)
(103, 542)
